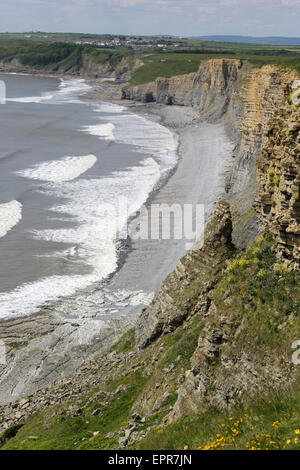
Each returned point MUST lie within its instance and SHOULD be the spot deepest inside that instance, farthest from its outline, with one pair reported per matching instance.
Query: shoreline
(51, 341)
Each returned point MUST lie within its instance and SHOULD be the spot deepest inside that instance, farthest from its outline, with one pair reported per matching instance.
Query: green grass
(126, 343)
(59, 52)
(165, 65)
(55, 430)
(18, 346)
(259, 291)
(168, 64)
(265, 293)
(62, 56)
(269, 425)
(181, 344)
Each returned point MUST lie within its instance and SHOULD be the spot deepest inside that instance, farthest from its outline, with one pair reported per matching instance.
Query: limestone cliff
(186, 290)
(278, 201)
(86, 67)
(218, 334)
(241, 97)
(220, 329)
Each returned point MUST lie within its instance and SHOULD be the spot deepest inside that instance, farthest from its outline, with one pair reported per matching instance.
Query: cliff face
(234, 296)
(244, 99)
(219, 330)
(278, 202)
(209, 87)
(258, 100)
(86, 67)
(217, 334)
(229, 90)
(186, 290)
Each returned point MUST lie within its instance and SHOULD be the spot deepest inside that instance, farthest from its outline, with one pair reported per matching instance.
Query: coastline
(50, 342)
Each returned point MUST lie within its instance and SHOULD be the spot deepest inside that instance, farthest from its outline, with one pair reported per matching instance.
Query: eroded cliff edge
(217, 336)
(243, 99)
(278, 201)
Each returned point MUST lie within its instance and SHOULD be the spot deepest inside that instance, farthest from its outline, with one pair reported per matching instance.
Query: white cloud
(187, 17)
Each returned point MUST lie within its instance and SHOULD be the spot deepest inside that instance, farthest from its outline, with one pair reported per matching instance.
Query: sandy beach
(47, 346)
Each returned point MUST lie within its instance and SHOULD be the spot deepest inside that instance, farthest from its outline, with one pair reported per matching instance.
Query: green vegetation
(245, 217)
(61, 52)
(17, 346)
(54, 429)
(266, 294)
(12, 431)
(273, 424)
(168, 64)
(261, 292)
(58, 56)
(277, 180)
(126, 343)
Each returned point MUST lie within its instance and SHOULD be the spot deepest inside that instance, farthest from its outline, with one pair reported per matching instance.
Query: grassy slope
(272, 424)
(266, 294)
(66, 57)
(69, 57)
(168, 64)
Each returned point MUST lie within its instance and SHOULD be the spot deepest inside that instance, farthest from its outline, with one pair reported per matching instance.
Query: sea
(68, 166)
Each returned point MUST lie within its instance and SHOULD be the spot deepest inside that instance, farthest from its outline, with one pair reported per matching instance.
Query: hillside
(142, 63)
(208, 364)
(63, 58)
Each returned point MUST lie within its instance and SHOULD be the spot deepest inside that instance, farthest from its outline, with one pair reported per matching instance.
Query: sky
(146, 17)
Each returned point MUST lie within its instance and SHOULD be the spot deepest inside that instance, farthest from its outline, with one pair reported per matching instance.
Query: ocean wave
(69, 89)
(145, 136)
(104, 131)
(58, 171)
(10, 215)
(68, 92)
(109, 108)
(97, 206)
(31, 99)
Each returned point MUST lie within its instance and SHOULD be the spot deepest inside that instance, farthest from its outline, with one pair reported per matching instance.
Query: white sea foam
(145, 136)
(71, 89)
(32, 99)
(58, 171)
(109, 108)
(10, 215)
(94, 240)
(104, 131)
(68, 92)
